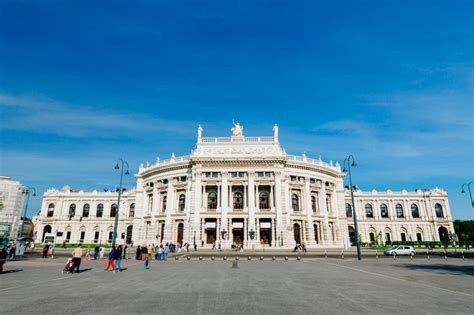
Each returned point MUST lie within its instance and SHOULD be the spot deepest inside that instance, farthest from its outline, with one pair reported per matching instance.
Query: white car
(400, 250)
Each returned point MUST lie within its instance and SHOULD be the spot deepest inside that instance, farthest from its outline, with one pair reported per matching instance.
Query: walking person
(110, 264)
(125, 252)
(144, 252)
(3, 258)
(150, 251)
(118, 258)
(146, 265)
(77, 256)
(160, 252)
(45, 251)
(166, 251)
(138, 252)
(96, 252)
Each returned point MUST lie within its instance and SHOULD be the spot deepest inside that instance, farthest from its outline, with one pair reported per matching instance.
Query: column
(309, 218)
(225, 200)
(272, 196)
(278, 205)
(155, 202)
(326, 235)
(170, 210)
(251, 205)
(197, 205)
(288, 235)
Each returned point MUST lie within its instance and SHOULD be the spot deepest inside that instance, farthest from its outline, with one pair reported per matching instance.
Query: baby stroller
(69, 266)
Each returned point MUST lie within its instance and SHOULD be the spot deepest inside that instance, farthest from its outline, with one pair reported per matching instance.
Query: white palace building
(245, 190)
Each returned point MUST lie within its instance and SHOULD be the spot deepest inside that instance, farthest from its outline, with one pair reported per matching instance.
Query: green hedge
(68, 245)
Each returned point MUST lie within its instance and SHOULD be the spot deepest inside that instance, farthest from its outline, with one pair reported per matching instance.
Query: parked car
(400, 250)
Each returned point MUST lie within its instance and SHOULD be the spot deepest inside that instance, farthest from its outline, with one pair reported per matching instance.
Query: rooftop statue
(237, 130)
(199, 131)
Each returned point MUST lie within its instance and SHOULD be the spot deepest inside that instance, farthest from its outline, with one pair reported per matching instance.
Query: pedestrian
(3, 258)
(195, 246)
(144, 252)
(101, 252)
(110, 264)
(202, 243)
(166, 251)
(96, 252)
(12, 251)
(125, 252)
(88, 253)
(146, 265)
(150, 251)
(45, 250)
(77, 256)
(160, 252)
(118, 258)
(138, 252)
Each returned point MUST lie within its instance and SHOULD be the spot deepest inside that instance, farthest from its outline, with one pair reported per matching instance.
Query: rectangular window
(403, 237)
(150, 202)
(260, 174)
(83, 235)
(312, 181)
(68, 236)
(96, 237)
(418, 237)
(111, 236)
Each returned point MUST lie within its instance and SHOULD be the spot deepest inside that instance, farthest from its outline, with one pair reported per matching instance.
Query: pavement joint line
(403, 280)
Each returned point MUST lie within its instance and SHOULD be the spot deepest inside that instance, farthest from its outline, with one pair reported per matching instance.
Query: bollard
(286, 257)
(237, 258)
(249, 258)
(298, 258)
(273, 258)
(225, 258)
(200, 257)
(325, 255)
(212, 258)
(462, 254)
(342, 255)
(189, 258)
(394, 256)
(176, 258)
(377, 255)
(261, 257)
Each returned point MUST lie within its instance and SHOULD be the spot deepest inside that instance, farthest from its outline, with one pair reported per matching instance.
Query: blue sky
(85, 82)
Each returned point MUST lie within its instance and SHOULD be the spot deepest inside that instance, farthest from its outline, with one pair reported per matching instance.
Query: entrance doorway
(352, 237)
(129, 234)
(266, 231)
(443, 234)
(297, 233)
(238, 235)
(179, 238)
(47, 229)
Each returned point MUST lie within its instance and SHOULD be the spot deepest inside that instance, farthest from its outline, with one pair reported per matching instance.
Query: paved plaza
(255, 287)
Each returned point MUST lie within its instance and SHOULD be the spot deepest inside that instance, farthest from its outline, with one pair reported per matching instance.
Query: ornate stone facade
(244, 190)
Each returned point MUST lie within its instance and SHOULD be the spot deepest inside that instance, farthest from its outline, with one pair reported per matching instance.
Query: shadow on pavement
(11, 271)
(441, 268)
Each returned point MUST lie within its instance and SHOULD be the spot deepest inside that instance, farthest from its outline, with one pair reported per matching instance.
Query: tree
(464, 230)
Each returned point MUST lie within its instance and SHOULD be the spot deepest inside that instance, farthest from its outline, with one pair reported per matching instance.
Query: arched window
(131, 213)
(85, 210)
(50, 210)
(383, 210)
(414, 211)
(113, 210)
(439, 210)
(100, 210)
(399, 210)
(238, 201)
(212, 200)
(182, 202)
(314, 205)
(348, 210)
(295, 202)
(369, 212)
(72, 210)
(264, 200)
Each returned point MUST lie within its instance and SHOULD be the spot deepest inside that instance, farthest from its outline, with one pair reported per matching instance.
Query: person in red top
(45, 251)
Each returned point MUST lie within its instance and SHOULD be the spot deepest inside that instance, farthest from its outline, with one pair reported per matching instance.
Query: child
(146, 265)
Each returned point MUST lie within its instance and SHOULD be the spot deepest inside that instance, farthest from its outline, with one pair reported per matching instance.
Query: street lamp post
(117, 167)
(26, 190)
(469, 189)
(354, 212)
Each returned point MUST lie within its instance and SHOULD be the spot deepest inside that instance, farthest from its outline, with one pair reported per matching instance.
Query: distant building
(244, 190)
(12, 197)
